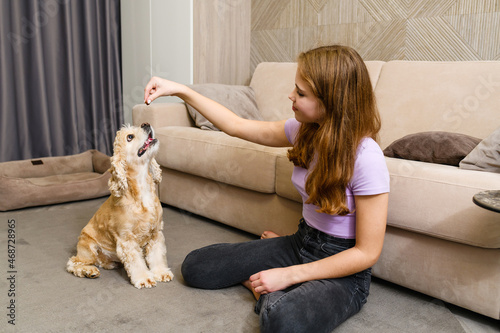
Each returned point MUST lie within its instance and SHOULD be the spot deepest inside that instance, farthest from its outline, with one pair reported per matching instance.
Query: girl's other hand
(271, 280)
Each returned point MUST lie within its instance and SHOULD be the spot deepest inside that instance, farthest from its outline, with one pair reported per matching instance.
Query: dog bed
(52, 180)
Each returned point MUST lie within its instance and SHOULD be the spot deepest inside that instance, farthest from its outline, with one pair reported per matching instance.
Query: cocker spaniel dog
(127, 228)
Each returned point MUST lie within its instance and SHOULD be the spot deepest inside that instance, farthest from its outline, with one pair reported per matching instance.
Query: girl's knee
(200, 270)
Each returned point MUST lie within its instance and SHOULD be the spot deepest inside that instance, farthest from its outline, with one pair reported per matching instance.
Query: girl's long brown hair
(339, 79)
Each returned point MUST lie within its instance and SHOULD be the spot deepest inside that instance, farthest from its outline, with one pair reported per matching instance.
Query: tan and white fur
(128, 227)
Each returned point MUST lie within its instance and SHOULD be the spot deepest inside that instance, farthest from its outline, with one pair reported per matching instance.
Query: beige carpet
(48, 299)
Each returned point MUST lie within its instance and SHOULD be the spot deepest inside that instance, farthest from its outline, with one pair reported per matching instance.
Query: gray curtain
(60, 69)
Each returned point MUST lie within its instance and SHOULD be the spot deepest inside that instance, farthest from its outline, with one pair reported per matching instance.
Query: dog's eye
(130, 137)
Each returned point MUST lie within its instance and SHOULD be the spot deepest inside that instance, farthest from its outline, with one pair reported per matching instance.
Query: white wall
(156, 41)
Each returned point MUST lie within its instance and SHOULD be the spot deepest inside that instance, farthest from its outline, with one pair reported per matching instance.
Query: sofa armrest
(162, 114)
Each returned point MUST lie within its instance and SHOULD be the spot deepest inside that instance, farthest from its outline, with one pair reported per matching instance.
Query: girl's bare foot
(269, 234)
(248, 285)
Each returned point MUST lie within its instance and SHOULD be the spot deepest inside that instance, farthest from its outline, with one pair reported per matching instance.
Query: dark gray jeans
(313, 306)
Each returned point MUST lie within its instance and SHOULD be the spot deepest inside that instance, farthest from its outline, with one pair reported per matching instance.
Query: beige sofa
(437, 242)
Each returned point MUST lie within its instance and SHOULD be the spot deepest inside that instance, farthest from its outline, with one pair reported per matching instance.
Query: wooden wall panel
(232, 36)
(221, 41)
(378, 29)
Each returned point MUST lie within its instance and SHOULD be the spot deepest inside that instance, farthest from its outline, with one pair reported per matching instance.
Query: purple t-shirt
(370, 177)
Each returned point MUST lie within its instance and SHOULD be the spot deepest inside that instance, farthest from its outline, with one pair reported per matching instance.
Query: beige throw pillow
(239, 99)
(486, 155)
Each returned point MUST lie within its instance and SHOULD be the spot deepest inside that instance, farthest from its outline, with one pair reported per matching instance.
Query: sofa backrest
(412, 96)
(273, 82)
(420, 96)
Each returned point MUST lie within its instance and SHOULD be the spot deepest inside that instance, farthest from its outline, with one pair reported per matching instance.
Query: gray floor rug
(48, 299)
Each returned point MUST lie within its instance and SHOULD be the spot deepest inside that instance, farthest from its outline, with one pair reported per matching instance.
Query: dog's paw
(163, 275)
(91, 272)
(147, 280)
(81, 270)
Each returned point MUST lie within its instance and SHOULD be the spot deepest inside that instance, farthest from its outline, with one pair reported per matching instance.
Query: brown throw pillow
(239, 99)
(433, 147)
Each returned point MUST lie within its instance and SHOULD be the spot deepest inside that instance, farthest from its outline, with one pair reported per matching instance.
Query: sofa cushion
(244, 209)
(429, 199)
(273, 82)
(486, 156)
(436, 200)
(239, 99)
(284, 185)
(433, 147)
(457, 97)
(218, 156)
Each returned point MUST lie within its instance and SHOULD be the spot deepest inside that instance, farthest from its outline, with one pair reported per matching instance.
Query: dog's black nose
(145, 125)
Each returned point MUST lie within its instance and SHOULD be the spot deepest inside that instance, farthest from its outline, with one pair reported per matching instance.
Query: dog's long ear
(118, 182)
(155, 170)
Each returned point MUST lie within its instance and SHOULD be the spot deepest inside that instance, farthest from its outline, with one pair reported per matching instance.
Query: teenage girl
(318, 277)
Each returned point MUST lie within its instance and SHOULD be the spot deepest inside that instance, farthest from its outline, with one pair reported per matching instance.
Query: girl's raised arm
(263, 132)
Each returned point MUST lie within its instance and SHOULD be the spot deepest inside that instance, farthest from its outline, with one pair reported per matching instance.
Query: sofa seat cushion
(436, 200)
(284, 185)
(218, 156)
(429, 199)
